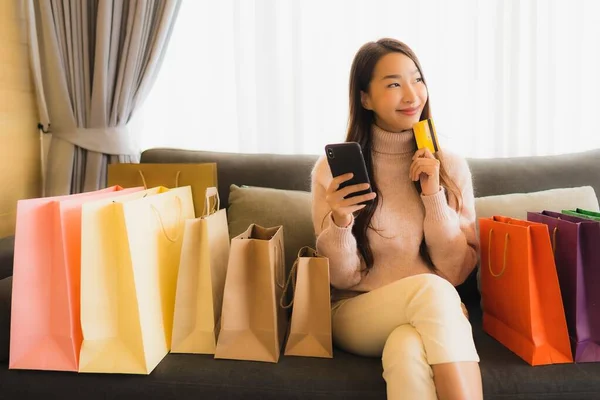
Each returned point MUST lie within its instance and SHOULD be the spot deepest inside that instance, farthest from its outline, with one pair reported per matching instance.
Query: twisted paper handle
(162, 225)
(146, 185)
(498, 275)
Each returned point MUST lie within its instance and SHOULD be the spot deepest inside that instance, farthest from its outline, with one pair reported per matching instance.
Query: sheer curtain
(506, 78)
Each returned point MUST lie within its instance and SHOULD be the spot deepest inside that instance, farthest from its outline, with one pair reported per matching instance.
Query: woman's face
(396, 94)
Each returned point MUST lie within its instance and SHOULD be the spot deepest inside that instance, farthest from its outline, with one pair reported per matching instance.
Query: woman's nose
(409, 96)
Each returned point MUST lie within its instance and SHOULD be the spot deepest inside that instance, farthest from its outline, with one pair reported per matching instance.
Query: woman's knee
(403, 349)
(436, 295)
(436, 313)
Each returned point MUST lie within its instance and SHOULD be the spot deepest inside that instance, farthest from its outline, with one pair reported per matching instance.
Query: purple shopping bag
(576, 244)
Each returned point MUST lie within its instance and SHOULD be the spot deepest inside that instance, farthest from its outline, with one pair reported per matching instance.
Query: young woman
(394, 262)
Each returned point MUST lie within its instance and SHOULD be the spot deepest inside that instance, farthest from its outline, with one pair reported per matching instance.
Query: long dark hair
(360, 121)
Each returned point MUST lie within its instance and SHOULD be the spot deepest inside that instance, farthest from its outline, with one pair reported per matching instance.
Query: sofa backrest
(532, 174)
(490, 176)
(291, 172)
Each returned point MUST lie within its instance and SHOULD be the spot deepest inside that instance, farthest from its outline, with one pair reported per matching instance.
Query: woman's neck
(392, 142)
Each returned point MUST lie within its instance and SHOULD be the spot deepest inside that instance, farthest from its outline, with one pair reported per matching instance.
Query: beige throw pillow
(516, 205)
(270, 207)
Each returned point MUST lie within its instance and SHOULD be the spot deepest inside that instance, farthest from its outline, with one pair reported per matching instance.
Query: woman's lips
(409, 111)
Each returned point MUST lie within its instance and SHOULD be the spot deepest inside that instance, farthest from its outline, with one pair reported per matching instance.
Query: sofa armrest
(5, 302)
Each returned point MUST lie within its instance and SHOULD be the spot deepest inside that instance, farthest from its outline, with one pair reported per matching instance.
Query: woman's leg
(460, 380)
(406, 371)
(431, 305)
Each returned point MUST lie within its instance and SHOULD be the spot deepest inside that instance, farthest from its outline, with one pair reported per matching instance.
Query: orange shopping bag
(45, 331)
(522, 304)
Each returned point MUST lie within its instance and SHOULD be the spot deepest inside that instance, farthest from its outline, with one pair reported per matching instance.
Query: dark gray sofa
(505, 376)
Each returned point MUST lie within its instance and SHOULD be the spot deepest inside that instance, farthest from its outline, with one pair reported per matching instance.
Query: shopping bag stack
(94, 279)
(45, 318)
(539, 281)
(575, 236)
(110, 281)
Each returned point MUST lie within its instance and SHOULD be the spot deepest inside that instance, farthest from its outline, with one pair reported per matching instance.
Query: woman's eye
(419, 79)
(394, 85)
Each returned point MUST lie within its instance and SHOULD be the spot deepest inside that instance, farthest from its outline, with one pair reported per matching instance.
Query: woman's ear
(365, 100)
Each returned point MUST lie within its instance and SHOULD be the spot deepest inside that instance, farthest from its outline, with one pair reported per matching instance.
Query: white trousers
(412, 324)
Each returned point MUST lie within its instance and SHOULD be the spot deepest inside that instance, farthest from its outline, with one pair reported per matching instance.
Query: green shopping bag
(578, 212)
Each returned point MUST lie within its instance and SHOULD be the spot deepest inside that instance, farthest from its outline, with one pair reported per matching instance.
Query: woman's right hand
(341, 208)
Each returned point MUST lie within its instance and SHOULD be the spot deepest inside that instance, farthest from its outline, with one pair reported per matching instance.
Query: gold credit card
(426, 136)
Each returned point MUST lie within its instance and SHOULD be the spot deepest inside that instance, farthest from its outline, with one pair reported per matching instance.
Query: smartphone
(347, 157)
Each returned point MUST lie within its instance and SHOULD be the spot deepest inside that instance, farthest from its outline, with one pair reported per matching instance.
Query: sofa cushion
(506, 376)
(271, 207)
(516, 205)
(185, 376)
(7, 248)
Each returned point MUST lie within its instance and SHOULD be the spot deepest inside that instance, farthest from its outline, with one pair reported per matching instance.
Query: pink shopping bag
(45, 330)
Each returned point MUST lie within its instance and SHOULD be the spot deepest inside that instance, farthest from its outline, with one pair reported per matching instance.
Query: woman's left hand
(426, 168)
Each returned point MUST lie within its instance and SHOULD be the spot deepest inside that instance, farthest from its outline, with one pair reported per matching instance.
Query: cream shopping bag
(201, 280)
(130, 257)
(310, 327)
(253, 323)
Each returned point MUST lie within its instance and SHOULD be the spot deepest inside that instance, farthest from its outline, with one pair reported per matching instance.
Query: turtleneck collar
(393, 142)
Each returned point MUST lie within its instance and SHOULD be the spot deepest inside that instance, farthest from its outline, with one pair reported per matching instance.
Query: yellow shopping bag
(129, 260)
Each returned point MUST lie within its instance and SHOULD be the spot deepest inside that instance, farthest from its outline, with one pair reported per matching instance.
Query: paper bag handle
(211, 192)
(554, 237)
(162, 225)
(291, 277)
(499, 274)
(144, 179)
(280, 277)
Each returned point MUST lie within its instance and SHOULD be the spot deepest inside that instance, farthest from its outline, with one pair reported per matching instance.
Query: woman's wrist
(343, 221)
(426, 192)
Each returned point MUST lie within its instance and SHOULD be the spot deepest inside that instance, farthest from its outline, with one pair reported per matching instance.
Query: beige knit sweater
(402, 218)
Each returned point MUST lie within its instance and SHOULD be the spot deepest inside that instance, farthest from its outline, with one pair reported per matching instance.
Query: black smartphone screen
(347, 157)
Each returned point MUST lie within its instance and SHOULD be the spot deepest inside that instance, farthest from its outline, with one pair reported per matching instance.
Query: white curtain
(506, 78)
